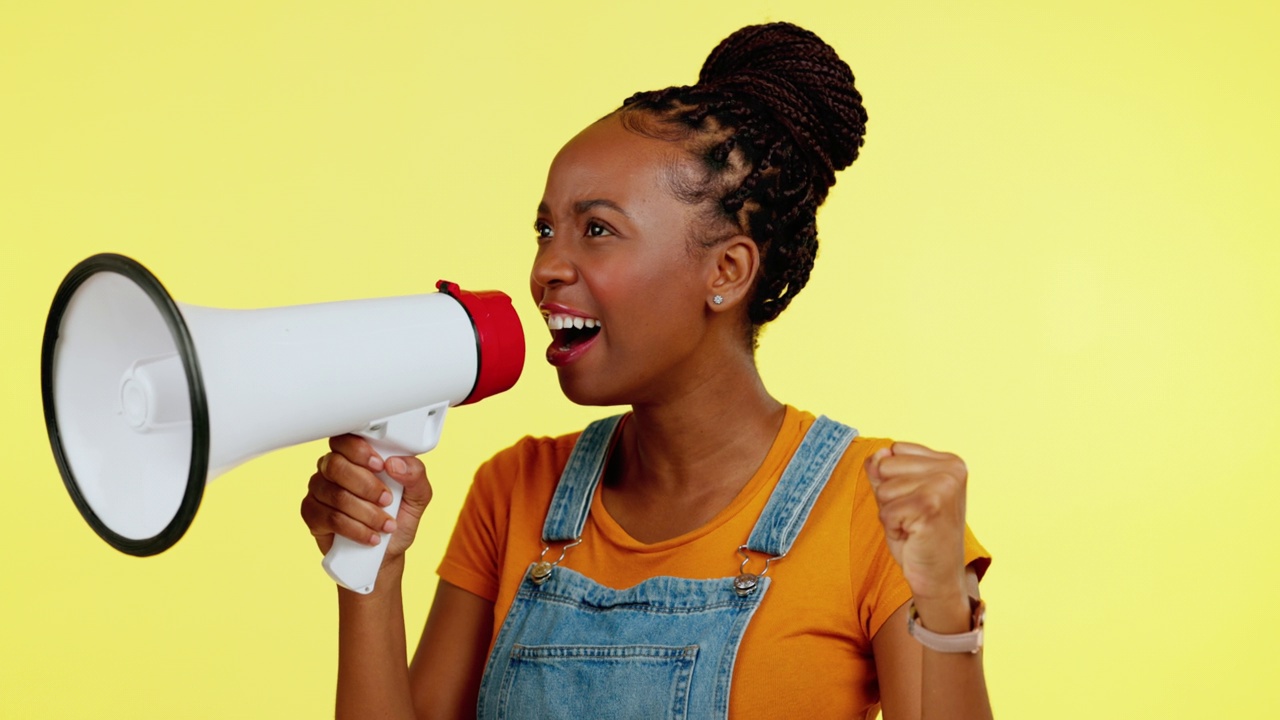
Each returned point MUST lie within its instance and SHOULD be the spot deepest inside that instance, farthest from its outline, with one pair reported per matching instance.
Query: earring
(718, 299)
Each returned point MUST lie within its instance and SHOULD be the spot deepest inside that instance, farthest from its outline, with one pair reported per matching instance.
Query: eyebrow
(583, 206)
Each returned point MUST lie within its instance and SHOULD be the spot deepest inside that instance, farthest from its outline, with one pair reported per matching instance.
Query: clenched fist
(921, 494)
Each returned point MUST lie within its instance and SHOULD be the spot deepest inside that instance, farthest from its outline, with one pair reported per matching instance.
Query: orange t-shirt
(807, 650)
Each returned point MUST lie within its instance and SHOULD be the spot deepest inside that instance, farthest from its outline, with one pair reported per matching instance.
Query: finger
(906, 448)
(912, 514)
(310, 516)
(412, 474)
(357, 450)
(356, 479)
(406, 469)
(335, 496)
(942, 484)
(872, 466)
(898, 466)
(324, 520)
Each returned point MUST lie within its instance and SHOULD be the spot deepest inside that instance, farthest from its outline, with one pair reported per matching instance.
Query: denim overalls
(572, 648)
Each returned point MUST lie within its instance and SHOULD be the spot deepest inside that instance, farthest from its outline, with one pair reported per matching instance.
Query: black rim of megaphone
(133, 270)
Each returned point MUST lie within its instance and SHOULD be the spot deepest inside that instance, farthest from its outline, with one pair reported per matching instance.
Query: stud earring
(719, 299)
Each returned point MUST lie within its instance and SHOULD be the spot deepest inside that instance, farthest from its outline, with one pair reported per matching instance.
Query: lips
(572, 334)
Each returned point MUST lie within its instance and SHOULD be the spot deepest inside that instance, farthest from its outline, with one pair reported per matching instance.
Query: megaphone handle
(354, 565)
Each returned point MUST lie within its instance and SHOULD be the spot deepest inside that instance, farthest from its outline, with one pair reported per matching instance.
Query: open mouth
(572, 331)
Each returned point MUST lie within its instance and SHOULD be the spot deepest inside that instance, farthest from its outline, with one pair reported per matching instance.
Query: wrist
(387, 585)
(947, 614)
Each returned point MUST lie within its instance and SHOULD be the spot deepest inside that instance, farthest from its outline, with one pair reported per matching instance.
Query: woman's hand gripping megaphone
(346, 498)
(359, 514)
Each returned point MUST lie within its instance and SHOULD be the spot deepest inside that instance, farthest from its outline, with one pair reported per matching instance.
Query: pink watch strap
(969, 642)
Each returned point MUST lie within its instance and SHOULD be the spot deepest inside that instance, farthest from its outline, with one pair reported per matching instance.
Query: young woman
(713, 552)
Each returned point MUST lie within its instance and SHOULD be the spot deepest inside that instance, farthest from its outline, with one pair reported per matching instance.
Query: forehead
(607, 160)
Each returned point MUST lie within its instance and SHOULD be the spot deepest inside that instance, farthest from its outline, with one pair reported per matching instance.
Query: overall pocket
(619, 682)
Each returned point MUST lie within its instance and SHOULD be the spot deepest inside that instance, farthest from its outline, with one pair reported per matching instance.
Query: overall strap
(572, 500)
(798, 489)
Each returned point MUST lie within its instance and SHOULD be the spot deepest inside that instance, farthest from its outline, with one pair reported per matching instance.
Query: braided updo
(773, 116)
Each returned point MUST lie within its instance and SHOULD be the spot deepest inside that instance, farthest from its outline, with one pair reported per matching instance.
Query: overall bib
(572, 648)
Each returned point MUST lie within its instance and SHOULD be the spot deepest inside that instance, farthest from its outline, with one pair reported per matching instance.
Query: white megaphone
(147, 399)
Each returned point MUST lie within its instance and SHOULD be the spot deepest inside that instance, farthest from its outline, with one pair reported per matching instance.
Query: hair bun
(801, 81)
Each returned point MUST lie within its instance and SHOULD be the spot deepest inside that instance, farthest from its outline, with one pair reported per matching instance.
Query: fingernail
(374, 539)
(397, 466)
(389, 526)
(324, 463)
(385, 499)
(375, 463)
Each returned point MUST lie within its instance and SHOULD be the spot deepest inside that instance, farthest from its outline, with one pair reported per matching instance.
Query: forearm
(373, 673)
(953, 685)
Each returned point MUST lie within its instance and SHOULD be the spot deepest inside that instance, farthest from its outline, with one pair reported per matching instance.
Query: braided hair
(773, 116)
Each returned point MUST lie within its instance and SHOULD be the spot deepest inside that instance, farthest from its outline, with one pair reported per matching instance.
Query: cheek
(650, 293)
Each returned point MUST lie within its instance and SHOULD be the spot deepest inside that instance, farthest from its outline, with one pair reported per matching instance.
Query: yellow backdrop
(1058, 257)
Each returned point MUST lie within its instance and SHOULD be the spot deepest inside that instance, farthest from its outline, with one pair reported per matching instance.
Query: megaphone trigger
(410, 433)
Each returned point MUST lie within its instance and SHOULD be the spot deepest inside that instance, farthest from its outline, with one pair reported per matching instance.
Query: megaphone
(147, 399)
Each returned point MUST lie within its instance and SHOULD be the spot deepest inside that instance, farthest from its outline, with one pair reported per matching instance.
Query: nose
(552, 266)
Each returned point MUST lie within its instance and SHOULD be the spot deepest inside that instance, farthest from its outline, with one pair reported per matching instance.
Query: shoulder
(846, 491)
(510, 487)
(850, 465)
(851, 491)
(528, 459)
(531, 449)
(847, 498)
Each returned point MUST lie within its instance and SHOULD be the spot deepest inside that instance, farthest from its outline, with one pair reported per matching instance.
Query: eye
(595, 229)
(544, 230)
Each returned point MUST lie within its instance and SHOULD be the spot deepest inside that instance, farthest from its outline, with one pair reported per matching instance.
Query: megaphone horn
(147, 399)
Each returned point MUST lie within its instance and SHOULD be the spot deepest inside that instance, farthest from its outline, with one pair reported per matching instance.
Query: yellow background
(1058, 257)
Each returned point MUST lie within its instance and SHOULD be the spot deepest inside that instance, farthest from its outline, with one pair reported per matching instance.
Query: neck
(714, 433)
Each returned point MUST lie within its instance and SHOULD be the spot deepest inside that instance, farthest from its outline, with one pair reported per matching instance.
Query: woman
(714, 550)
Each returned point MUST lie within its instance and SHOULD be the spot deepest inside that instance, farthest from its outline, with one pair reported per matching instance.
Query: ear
(737, 260)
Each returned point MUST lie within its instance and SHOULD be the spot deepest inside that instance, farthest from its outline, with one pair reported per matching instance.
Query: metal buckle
(746, 583)
(541, 570)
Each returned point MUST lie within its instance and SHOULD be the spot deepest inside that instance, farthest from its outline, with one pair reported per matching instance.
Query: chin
(579, 391)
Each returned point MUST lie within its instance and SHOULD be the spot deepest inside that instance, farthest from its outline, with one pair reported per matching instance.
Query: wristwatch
(970, 642)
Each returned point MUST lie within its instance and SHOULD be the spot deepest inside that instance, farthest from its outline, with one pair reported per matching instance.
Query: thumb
(872, 465)
(412, 474)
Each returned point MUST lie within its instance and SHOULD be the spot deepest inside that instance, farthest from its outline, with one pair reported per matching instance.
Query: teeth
(564, 322)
